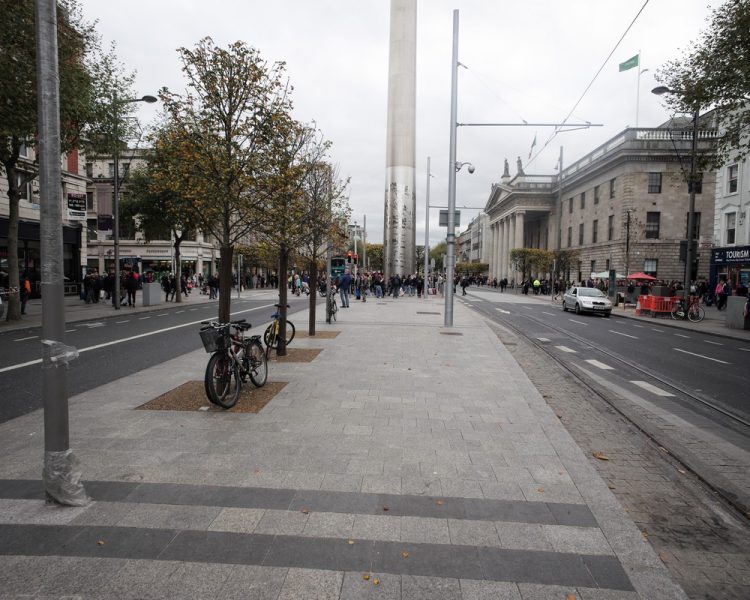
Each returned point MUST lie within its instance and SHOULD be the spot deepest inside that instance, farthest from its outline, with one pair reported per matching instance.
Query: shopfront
(731, 262)
(29, 253)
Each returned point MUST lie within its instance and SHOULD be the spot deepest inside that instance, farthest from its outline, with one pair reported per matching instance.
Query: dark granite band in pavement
(432, 560)
(317, 500)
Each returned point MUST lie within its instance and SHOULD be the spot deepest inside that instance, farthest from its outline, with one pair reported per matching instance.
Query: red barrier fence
(655, 306)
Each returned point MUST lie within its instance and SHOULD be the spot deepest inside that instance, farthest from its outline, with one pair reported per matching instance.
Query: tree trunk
(283, 299)
(225, 283)
(178, 278)
(312, 271)
(14, 297)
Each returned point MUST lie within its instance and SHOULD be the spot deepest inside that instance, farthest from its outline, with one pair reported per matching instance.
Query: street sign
(444, 218)
(76, 206)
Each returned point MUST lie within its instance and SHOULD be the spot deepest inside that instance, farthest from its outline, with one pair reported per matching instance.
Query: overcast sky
(526, 59)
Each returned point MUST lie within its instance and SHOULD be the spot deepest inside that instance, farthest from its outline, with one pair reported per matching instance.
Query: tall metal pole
(627, 245)
(364, 244)
(116, 199)
(61, 482)
(560, 202)
(691, 209)
(425, 286)
(451, 235)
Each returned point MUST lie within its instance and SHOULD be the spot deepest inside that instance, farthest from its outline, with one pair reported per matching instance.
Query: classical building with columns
(622, 206)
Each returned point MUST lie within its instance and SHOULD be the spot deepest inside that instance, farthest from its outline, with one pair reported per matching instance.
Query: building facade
(730, 256)
(197, 255)
(75, 235)
(623, 206)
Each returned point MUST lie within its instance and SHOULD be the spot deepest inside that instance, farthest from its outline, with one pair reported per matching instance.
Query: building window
(24, 193)
(583, 200)
(654, 183)
(595, 231)
(612, 188)
(698, 184)
(89, 200)
(90, 170)
(610, 227)
(607, 263)
(652, 225)
(732, 171)
(570, 205)
(596, 194)
(593, 266)
(23, 150)
(570, 237)
(731, 227)
(650, 266)
(91, 228)
(696, 224)
(111, 170)
(580, 234)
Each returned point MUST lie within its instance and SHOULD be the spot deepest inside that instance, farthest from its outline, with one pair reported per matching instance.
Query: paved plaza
(406, 461)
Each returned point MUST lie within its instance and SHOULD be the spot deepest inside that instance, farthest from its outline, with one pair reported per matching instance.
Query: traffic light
(356, 258)
(349, 257)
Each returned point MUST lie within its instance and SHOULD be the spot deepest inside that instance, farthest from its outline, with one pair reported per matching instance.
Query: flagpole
(638, 89)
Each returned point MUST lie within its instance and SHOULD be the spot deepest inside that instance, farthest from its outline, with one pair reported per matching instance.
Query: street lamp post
(425, 287)
(691, 189)
(627, 244)
(116, 184)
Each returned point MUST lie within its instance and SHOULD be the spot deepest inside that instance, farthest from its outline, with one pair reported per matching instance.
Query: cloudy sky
(526, 60)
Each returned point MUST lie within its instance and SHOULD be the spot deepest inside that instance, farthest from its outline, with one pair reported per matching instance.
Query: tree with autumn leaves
(230, 161)
(219, 140)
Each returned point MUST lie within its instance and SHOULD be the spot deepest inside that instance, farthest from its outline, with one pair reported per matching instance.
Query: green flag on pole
(630, 63)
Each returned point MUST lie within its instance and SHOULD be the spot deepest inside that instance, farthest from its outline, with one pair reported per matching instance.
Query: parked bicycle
(694, 313)
(271, 335)
(331, 308)
(234, 358)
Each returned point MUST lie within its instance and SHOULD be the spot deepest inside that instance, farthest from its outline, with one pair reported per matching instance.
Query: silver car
(585, 299)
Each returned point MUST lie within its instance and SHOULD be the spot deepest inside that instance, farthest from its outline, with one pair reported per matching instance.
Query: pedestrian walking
(344, 283)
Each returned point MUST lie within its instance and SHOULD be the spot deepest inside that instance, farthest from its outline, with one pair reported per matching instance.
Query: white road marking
(192, 309)
(132, 337)
(505, 312)
(579, 322)
(31, 337)
(544, 340)
(126, 321)
(143, 318)
(70, 330)
(659, 330)
(687, 337)
(623, 334)
(723, 362)
(565, 349)
(599, 365)
(528, 308)
(162, 315)
(714, 343)
(639, 326)
(544, 312)
(652, 388)
(180, 311)
(744, 349)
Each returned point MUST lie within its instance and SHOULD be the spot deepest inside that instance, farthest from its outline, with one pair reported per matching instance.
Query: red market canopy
(641, 277)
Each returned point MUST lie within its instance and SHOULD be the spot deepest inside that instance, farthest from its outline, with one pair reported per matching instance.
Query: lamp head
(149, 99)
(662, 89)
(471, 168)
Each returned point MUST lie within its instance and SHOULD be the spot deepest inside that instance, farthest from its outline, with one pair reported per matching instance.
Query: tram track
(716, 482)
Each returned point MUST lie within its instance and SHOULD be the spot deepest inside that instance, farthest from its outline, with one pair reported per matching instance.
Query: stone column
(399, 233)
(495, 246)
(501, 249)
(519, 230)
(506, 248)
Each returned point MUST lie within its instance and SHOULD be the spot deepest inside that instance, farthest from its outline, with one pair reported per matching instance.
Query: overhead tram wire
(588, 87)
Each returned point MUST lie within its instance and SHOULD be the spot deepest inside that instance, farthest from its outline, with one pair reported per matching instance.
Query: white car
(585, 299)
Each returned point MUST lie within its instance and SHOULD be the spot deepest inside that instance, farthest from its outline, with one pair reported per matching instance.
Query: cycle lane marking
(599, 365)
(714, 343)
(31, 337)
(652, 388)
(623, 334)
(128, 339)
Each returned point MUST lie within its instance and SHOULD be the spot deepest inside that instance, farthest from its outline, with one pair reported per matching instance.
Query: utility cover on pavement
(323, 335)
(297, 355)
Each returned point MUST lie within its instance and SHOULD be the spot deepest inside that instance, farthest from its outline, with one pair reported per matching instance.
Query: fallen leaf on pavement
(350, 542)
(100, 543)
(376, 581)
(680, 471)
(440, 502)
(611, 487)
(386, 509)
(404, 554)
(366, 576)
(570, 597)
(540, 489)
(601, 456)
(305, 510)
(663, 449)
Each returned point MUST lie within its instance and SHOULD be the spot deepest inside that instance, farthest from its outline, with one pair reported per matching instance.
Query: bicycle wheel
(696, 314)
(258, 364)
(271, 335)
(223, 380)
(676, 312)
(207, 384)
